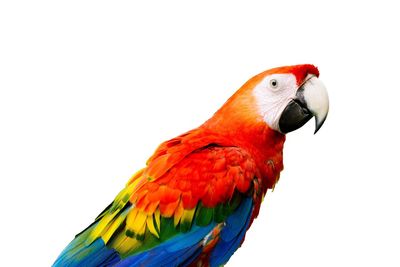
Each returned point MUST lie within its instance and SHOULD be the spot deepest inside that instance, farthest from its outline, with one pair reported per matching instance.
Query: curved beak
(311, 101)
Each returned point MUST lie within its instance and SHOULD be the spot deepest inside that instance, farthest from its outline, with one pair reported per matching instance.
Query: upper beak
(311, 100)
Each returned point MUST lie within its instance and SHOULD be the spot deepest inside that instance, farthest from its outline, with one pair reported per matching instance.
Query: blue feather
(224, 250)
(232, 234)
(181, 249)
(174, 251)
(237, 220)
(186, 247)
(78, 253)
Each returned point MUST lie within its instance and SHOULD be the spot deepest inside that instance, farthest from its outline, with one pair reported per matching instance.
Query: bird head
(283, 99)
(288, 97)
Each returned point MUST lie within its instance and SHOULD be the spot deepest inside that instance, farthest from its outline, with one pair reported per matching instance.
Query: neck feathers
(237, 122)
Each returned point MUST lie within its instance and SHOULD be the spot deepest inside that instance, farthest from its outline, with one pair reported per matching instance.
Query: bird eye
(273, 83)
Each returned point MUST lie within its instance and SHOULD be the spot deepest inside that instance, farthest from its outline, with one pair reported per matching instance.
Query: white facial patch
(272, 96)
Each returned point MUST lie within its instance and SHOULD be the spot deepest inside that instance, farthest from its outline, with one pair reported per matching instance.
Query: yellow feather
(187, 215)
(124, 244)
(157, 218)
(130, 220)
(137, 225)
(178, 214)
(114, 226)
(102, 224)
(119, 202)
(142, 230)
(150, 225)
(123, 197)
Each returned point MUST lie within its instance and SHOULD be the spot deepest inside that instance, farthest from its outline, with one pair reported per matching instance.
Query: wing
(197, 208)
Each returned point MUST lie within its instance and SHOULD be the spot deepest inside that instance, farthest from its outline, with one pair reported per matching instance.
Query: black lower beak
(295, 114)
(311, 100)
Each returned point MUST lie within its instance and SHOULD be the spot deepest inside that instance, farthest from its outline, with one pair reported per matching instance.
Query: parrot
(199, 193)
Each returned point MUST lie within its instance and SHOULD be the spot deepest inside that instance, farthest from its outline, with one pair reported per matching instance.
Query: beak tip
(318, 123)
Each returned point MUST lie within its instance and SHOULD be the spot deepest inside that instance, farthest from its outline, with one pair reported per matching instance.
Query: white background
(90, 88)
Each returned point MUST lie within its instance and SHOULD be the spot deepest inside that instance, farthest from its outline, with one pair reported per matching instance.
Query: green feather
(150, 241)
(167, 228)
(204, 215)
(219, 213)
(129, 233)
(232, 204)
(185, 226)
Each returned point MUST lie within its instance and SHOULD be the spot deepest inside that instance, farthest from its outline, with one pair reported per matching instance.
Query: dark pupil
(273, 83)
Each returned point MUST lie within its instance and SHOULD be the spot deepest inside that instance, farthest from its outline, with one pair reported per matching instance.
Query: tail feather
(79, 253)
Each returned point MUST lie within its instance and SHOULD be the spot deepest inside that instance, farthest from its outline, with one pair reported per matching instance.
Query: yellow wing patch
(108, 217)
(137, 221)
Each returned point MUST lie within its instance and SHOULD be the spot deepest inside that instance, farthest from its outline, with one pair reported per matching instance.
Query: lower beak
(311, 101)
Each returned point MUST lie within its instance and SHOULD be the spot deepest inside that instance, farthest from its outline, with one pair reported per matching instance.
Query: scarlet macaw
(199, 192)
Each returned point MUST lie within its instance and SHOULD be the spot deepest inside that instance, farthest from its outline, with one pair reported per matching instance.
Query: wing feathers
(168, 210)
